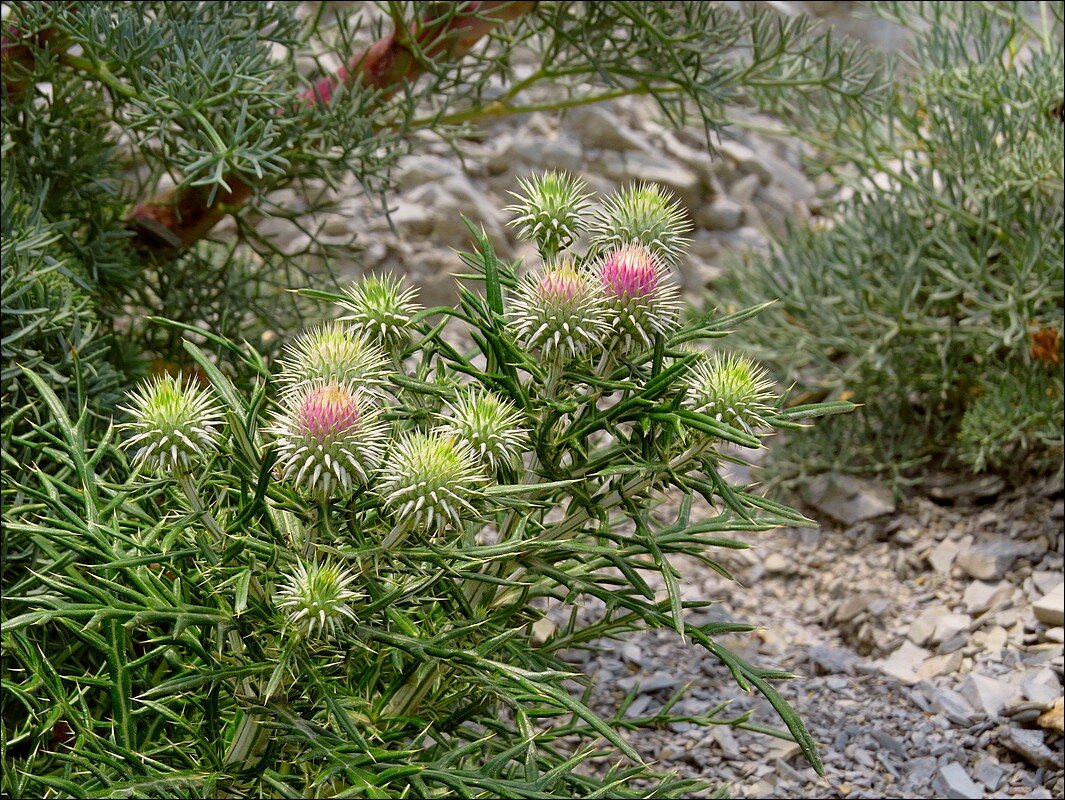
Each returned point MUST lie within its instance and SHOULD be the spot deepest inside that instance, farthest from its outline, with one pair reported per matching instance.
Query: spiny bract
(644, 214)
(550, 211)
(317, 597)
(560, 311)
(490, 425)
(639, 293)
(334, 352)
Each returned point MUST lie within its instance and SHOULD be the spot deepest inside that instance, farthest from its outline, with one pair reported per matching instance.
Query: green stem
(100, 71)
(500, 108)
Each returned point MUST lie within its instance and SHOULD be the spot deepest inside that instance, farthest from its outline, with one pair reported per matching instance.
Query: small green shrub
(331, 585)
(932, 295)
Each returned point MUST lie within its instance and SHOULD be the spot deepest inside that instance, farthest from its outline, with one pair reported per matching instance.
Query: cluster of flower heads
(620, 291)
(331, 433)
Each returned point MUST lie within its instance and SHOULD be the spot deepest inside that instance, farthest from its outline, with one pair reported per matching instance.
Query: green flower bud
(381, 309)
(430, 480)
(646, 215)
(334, 352)
(175, 425)
(489, 425)
(316, 598)
(732, 389)
(550, 211)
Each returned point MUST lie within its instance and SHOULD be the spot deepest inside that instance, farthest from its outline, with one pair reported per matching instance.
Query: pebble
(722, 214)
(989, 773)
(904, 663)
(989, 560)
(980, 597)
(849, 499)
(954, 782)
(942, 557)
(990, 695)
(1050, 608)
(1029, 745)
(950, 703)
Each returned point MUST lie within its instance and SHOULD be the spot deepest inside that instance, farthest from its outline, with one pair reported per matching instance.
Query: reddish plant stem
(178, 218)
(18, 49)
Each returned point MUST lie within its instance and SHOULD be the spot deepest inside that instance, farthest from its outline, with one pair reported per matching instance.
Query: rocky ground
(928, 635)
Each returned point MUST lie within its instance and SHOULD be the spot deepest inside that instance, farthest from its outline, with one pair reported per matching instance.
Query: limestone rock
(990, 695)
(1050, 608)
(849, 499)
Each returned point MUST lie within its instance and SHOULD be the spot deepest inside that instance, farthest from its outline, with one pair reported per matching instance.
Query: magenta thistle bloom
(329, 438)
(558, 310)
(639, 291)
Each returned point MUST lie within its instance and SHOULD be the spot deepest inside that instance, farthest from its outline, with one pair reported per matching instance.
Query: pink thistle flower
(638, 289)
(327, 412)
(329, 437)
(558, 310)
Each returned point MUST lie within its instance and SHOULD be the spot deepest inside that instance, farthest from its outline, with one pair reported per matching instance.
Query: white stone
(904, 663)
(949, 625)
(1050, 608)
(942, 557)
(980, 596)
(597, 126)
(988, 694)
(923, 628)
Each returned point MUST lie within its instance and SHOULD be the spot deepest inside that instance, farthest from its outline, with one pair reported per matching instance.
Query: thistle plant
(359, 620)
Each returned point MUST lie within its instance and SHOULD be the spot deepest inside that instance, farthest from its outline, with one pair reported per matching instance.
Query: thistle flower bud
(646, 215)
(316, 597)
(550, 211)
(732, 389)
(381, 309)
(329, 436)
(559, 310)
(175, 425)
(334, 352)
(640, 293)
(489, 425)
(429, 480)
